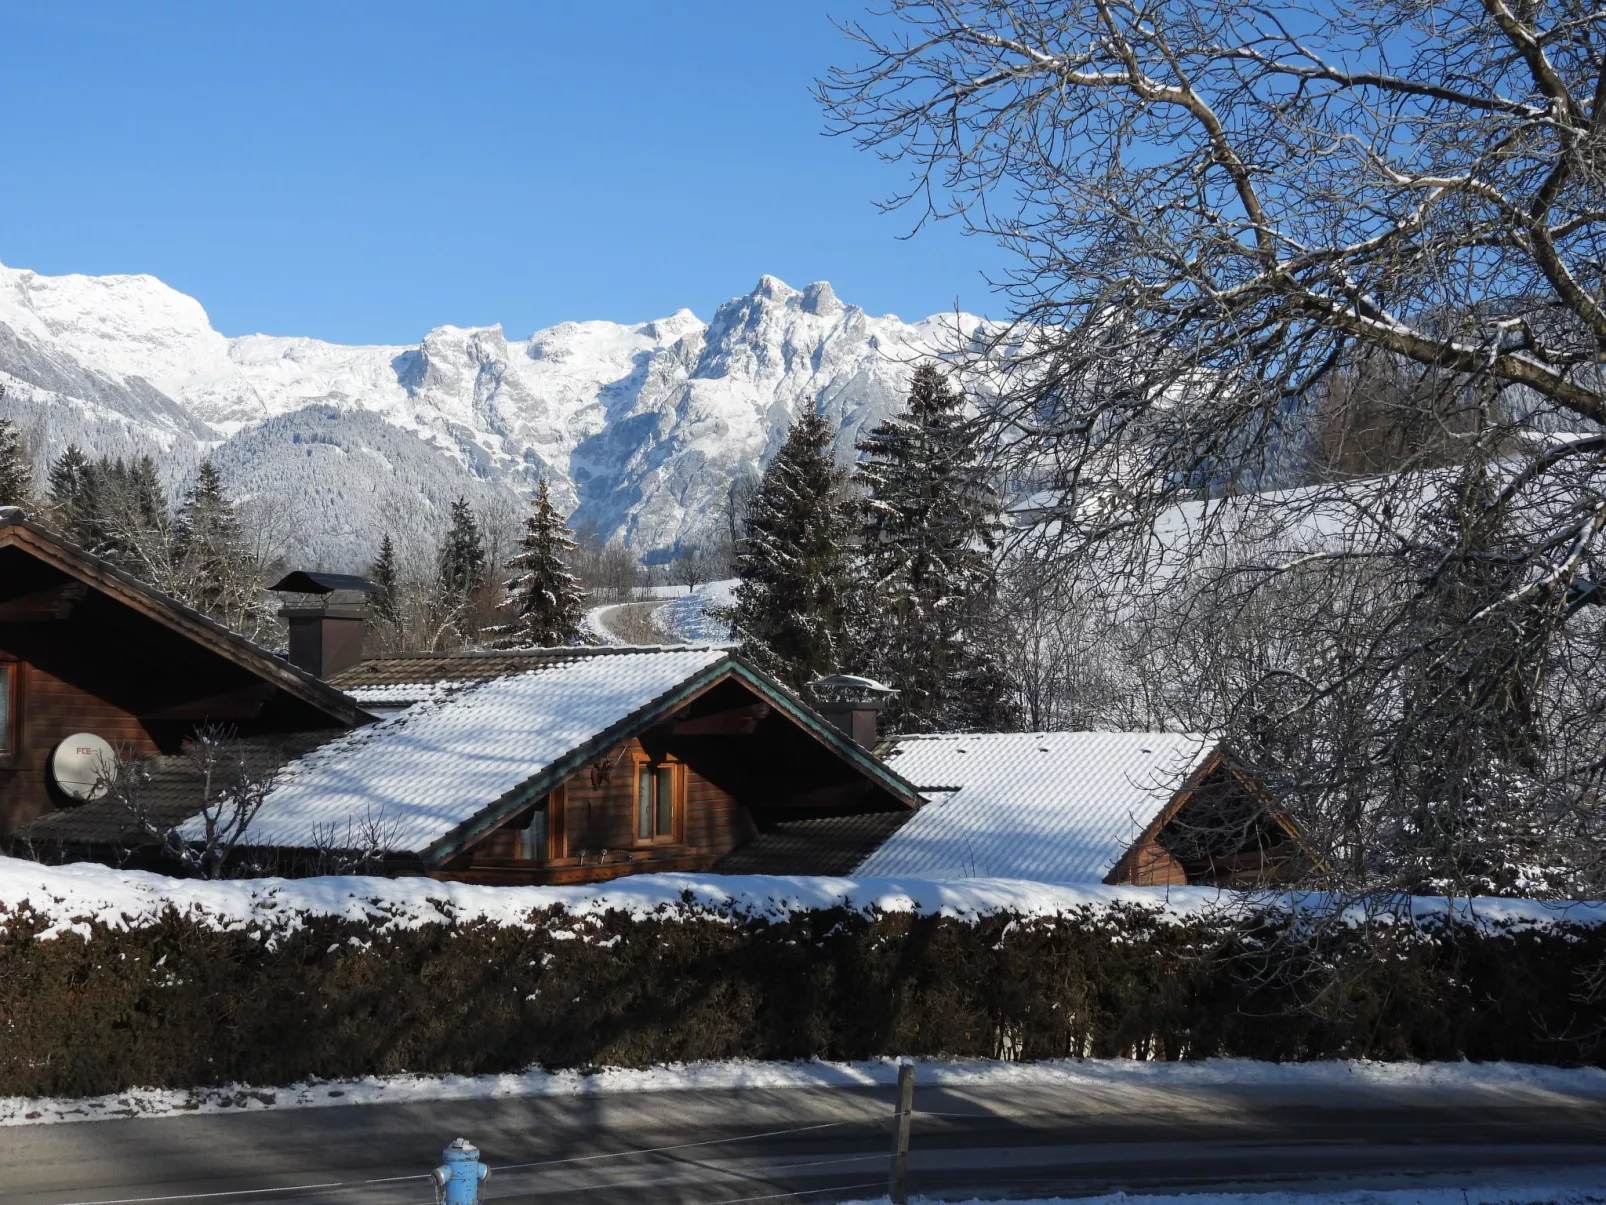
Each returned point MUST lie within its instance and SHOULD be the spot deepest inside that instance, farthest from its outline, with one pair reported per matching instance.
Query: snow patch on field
(1516, 1082)
(71, 897)
(686, 617)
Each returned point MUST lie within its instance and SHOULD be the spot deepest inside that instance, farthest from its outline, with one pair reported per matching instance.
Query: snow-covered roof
(418, 775)
(1055, 807)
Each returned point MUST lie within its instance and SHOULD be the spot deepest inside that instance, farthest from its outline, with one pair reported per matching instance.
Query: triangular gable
(50, 549)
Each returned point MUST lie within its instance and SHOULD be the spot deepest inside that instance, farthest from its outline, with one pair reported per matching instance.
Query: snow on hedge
(71, 897)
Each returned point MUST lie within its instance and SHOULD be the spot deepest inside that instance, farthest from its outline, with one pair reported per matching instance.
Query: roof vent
(851, 704)
(326, 636)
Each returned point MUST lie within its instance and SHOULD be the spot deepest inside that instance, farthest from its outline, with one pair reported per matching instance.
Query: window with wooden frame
(538, 836)
(660, 788)
(10, 698)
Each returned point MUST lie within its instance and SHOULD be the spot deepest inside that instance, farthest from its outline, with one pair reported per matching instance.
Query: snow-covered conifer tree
(544, 598)
(76, 499)
(794, 558)
(213, 570)
(459, 577)
(930, 531)
(383, 574)
(16, 474)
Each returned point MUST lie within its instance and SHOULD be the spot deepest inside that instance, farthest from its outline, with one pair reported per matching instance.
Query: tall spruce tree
(794, 558)
(77, 499)
(214, 572)
(383, 574)
(459, 576)
(930, 531)
(545, 599)
(16, 474)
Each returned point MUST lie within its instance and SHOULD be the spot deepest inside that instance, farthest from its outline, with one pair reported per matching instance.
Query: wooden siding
(592, 834)
(1149, 865)
(49, 710)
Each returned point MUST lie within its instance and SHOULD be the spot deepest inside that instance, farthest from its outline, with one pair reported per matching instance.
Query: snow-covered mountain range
(641, 428)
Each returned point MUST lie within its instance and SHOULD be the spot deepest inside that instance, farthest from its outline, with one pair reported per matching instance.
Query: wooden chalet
(85, 648)
(1137, 808)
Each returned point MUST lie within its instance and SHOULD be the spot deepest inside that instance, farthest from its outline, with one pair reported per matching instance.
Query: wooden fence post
(898, 1187)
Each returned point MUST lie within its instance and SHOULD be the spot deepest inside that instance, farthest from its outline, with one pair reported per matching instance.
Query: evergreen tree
(460, 574)
(794, 558)
(930, 530)
(544, 596)
(383, 574)
(214, 572)
(137, 529)
(16, 474)
(77, 503)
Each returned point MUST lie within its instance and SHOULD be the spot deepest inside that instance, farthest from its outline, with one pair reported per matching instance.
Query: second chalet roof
(419, 775)
(1055, 807)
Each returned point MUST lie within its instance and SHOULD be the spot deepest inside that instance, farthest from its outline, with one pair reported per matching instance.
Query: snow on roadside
(70, 897)
(1515, 1082)
(686, 617)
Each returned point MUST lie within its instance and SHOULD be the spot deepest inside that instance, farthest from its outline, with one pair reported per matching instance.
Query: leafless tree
(690, 568)
(1309, 310)
(355, 846)
(224, 783)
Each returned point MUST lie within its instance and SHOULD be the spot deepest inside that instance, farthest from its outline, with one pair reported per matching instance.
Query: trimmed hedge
(180, 1004)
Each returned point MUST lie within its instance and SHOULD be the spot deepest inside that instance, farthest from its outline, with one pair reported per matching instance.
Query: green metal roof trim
(501, 810)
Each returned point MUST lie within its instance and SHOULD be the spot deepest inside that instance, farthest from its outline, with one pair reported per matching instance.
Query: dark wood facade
(1219, 830)
(88, 649)
(592, 831)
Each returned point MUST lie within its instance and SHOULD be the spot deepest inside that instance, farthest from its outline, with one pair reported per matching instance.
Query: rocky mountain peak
(640, 427)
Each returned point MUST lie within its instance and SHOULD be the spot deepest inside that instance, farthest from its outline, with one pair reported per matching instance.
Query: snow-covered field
(70, 897)
(686, 618)
(1516, 1083)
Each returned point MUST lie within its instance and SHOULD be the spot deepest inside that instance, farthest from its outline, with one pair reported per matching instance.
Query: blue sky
(362, 172)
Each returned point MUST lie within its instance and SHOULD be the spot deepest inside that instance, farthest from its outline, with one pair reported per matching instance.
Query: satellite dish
(82, 766)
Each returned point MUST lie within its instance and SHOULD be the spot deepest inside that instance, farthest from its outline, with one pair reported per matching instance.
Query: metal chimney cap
(851, 690)
(851, 682)
(304, 582)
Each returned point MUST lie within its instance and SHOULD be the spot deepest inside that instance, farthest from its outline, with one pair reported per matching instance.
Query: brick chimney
(851, 704)
(326, 635)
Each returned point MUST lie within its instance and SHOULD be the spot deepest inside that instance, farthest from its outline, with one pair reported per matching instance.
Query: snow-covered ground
(1515, 1083)
(69, 897)
(685, 618)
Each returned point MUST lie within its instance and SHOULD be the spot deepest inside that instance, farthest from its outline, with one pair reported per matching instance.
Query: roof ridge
(576, 650)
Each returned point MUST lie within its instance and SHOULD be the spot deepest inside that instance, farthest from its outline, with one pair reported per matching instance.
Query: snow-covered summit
(641, 427)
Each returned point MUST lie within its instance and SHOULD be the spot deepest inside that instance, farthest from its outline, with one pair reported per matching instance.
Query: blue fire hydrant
(457, 1179)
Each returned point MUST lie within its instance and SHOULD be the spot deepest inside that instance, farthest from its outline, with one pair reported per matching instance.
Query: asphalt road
(821, 1145)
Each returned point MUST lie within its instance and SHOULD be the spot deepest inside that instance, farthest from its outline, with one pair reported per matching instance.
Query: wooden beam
(243, 704)
(837, 795)
(737, 721)
(55, 603)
